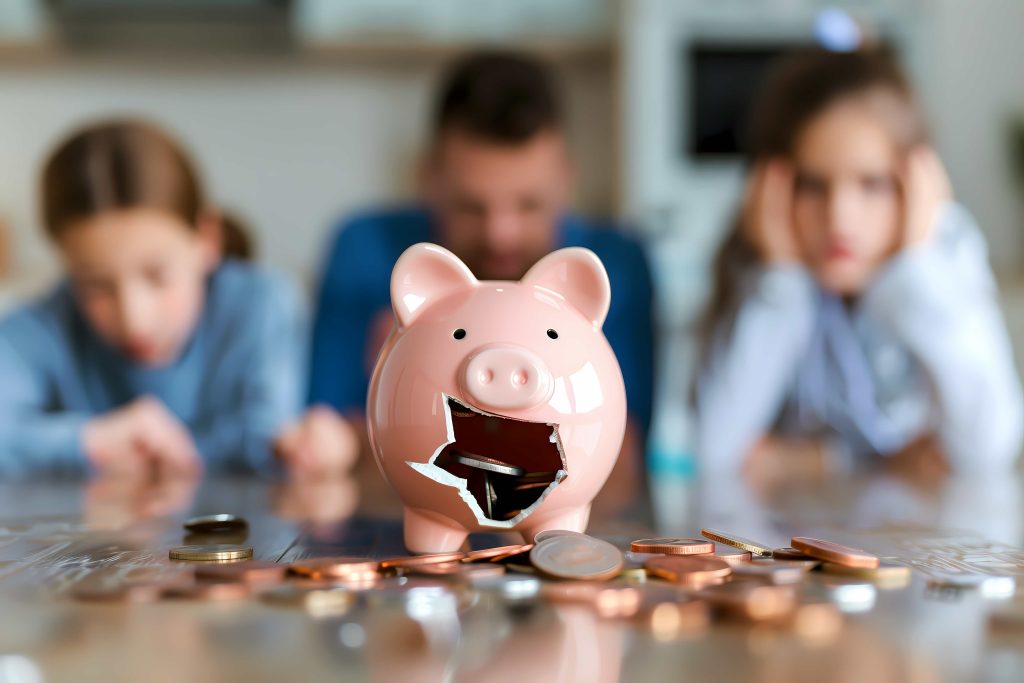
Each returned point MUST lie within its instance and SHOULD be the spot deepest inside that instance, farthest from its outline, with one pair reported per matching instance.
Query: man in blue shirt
(495, 188)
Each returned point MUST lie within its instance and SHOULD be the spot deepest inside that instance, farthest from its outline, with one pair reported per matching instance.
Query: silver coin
(481, 462)
(215, 523)
(551, 533)
(577, 557)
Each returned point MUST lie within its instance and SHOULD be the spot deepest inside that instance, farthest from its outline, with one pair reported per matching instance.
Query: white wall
(972, 80)
(288, 144)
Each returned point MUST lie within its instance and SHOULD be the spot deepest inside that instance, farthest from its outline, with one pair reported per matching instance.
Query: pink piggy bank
(496, 406)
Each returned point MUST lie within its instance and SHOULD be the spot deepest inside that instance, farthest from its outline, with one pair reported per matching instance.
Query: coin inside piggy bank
(496, 405)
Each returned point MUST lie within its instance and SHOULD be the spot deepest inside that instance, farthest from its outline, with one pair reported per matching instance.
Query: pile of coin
(673, 585)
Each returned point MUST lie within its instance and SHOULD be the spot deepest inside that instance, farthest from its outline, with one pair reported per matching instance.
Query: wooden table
(53, 534)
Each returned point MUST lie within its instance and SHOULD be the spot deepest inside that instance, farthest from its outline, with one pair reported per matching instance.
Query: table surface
(52, 534)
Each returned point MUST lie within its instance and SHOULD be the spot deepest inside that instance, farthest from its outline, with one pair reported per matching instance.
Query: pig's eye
(459, 333)
(553, 334)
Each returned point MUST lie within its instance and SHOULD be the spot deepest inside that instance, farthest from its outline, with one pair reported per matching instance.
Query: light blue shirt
(924, 350)
(236, 383)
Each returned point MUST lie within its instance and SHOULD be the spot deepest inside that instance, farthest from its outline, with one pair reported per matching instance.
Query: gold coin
(737, 542)
(211, 553)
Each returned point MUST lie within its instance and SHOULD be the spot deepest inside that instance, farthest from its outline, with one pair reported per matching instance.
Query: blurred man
(495, 187)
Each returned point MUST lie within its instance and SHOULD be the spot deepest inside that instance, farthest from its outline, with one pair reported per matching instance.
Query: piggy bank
(495, 406)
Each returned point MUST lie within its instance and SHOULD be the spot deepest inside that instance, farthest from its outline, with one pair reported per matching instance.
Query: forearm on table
(42, 442)
(955, 330)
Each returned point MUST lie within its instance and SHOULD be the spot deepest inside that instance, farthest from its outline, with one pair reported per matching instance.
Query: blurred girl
(854, 315)
(158, 352)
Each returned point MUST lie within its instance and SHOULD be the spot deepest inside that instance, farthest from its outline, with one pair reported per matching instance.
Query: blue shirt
(234, 385)
(355, 293)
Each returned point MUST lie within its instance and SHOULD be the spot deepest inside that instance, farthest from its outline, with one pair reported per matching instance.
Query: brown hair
(122, 165)
(501, 97)
(796, 90)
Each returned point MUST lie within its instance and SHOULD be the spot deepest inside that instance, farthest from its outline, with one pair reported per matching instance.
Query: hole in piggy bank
(508, 465)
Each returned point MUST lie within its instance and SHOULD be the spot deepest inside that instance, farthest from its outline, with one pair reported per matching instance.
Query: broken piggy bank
(496, 405)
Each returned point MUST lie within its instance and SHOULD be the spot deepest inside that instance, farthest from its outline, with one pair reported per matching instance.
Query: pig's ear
(578, 276)
(423, 274)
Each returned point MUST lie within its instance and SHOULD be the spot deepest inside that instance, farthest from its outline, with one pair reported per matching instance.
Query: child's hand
(926, 188)
(321, 443)
(767, 212)
(142, 439)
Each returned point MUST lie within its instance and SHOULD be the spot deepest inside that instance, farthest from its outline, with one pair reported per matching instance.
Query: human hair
(500, 97)
(120, 164)
(798, 89)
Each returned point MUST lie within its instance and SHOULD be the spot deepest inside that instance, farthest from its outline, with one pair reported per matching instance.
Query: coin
(683, 569)
(732, 556)
(482, 462)
(737, 542)
(673, 546)
(419, 560)
(885, 571)
(212, 524)
(334, 567)
(551, 533)
(207, 553)
(833, 552)
(577, 557)
(496, 553)
(435, 569)
(249, 571)
(773, 571)
(210, 590)
(751, 600)
(790, 554)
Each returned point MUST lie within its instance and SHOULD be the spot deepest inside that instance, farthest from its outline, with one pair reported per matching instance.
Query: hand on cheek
(142, 439)
(768, 212)
(321, 443)
(926, 188)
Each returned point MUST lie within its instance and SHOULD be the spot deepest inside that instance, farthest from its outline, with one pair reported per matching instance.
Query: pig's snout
(505, 376)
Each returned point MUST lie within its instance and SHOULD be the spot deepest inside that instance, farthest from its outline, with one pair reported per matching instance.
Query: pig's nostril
(519, 378)
(485, 376)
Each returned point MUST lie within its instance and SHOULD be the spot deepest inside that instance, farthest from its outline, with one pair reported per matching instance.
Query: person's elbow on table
(320, 443)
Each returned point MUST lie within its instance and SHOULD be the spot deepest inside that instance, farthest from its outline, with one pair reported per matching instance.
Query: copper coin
(751, 600)
(212, 591)
(420, 560)
(833, 552)
(437, 569)
(732, 556)
(250, 571)
(496, 553)
(577, 557)
(673, 546)
(682, 569)
(333, 567)
(790, 554)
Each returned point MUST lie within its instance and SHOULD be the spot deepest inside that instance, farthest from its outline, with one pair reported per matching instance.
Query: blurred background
(302, 111)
